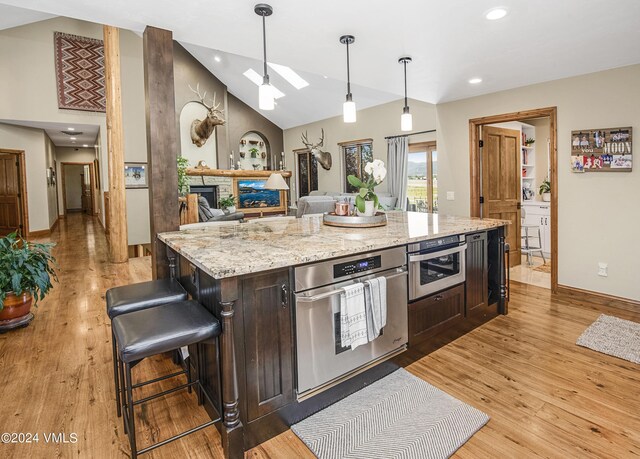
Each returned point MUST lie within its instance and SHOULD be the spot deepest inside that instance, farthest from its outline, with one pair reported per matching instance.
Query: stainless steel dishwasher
(321, 360)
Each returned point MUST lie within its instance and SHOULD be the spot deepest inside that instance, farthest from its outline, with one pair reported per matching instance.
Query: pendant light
(349, 106)
(406, 120)
(266, 99)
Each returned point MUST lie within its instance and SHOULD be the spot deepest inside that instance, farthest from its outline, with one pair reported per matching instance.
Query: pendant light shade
(266, 99)
(406, 120)
(349, 106)
(349, 110)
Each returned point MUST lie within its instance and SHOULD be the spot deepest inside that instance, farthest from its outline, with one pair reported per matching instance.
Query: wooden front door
(501, 182)
(10, 209)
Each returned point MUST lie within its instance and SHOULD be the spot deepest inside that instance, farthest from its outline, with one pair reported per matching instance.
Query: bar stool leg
(540, 245)
(123, 400)
(187, 362)
(116, 378)
(130, 415)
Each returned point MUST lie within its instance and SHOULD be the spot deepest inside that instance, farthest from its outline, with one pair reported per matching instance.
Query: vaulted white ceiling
(449, 41)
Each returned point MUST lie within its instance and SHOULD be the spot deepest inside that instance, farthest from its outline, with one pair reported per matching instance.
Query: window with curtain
(422, 177)
(355, 155)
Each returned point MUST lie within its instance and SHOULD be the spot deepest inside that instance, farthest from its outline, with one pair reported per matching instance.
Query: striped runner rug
(399, 416)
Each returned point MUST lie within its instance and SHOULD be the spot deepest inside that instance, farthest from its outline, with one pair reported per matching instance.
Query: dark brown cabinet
(436, 313)
(477, 288)
(268, 342)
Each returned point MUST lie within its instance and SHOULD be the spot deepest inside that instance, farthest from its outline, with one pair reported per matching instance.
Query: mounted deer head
(323, 157)
(201, 129)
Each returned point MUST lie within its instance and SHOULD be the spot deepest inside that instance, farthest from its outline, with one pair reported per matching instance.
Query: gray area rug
(399, 416)
(613, 336)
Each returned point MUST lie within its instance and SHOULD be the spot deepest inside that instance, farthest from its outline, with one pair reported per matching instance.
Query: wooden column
(117, 209)
(162, 148)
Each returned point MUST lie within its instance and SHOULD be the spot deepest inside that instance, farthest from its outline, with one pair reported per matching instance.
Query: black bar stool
(136, 297)
(153, 331)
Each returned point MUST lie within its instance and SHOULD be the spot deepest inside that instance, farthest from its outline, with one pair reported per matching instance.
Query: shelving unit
(528, 163)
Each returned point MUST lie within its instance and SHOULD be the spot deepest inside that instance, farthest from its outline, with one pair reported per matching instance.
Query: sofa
(207, 214)
(319, 202)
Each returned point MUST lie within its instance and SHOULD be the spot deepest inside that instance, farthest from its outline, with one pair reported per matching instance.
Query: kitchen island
(245, 275)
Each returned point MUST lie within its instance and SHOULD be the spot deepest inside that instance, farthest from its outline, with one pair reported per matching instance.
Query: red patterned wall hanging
(80, 72)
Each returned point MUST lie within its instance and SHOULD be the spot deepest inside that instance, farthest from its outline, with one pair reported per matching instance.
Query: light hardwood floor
(546, 396)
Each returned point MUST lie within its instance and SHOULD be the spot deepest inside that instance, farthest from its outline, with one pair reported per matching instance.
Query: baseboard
(41, 233)
(53, 227)
(599, 297)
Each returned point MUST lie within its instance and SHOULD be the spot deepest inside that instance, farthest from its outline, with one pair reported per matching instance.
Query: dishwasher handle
(321, 296)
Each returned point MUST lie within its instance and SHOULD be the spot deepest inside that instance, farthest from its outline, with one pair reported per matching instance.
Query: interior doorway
(306, 172)
(14, 215)
(78, 184)
(516, 171)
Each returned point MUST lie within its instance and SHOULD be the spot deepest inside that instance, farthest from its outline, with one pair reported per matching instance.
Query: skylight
(257, 79)
(290, 75)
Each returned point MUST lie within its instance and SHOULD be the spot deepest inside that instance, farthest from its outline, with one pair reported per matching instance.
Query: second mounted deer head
(201, 130)
(323, 157)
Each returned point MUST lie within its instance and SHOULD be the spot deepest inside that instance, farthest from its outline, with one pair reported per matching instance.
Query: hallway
(546, 396)
(57, 372)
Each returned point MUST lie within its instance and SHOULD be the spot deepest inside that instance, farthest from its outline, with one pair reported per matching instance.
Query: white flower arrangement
(376, 174)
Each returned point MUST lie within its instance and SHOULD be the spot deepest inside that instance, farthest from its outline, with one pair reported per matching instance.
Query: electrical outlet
(450, 196)
(603, 269)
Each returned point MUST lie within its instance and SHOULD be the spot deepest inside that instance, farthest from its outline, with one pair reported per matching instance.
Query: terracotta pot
(16, 306)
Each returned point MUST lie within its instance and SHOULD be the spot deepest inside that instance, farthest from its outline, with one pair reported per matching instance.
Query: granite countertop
(228, 251)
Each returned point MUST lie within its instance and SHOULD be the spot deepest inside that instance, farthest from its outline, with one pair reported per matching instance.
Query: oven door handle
(321, 296)
(430, 255)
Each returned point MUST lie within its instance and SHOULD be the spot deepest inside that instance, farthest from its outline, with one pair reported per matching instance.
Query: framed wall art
(254, 198)
(602, 150)
(135, 175)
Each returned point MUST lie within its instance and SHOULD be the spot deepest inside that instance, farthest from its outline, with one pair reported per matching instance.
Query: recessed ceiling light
(475, 80)
(325, 76)
(290, 75)
(496, 13)
(71, 129)
(217, 58)
(85, 145)
(257, 80)
(72, 138)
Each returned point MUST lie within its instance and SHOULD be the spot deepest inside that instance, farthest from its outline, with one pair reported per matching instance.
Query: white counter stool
(136, 297)
(153, 331)
(526, 247)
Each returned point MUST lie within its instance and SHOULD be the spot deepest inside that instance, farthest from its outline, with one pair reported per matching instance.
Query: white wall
(598, 213)
(73, 186)
(28, 92)
(375, 123)
(32, 141)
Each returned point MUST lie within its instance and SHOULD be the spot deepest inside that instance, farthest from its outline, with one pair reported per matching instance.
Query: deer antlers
(309, 145)
(213, 107)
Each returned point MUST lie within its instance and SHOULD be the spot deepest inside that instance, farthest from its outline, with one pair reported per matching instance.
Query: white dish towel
(375, 298)
(353, 319)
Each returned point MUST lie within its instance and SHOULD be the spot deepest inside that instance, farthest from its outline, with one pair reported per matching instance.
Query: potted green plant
(366, 200)
(529, 141)
(26, 271)
(545, 190)
(228, 204)
(183, 180)
(254, 152)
